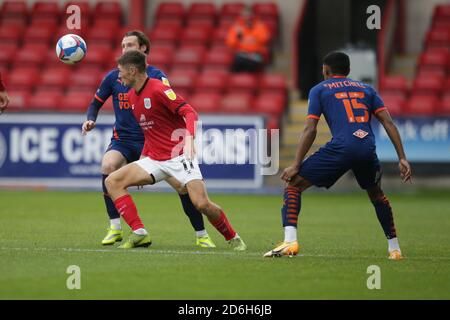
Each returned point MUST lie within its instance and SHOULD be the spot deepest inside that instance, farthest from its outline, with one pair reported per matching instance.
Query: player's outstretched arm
(385, 119)
(304, 144)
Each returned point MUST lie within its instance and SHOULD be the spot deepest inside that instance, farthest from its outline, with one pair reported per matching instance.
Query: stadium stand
(187, 43)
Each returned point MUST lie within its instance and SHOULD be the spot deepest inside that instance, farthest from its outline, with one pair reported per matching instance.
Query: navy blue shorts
(130, 150)
(328, 164)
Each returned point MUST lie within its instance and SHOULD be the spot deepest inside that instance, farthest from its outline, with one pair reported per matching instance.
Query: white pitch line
(223, 253)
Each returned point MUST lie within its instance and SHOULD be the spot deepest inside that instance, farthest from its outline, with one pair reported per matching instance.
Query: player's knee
(201, 205)
(375, 194)
(109, 167)
(111, 182)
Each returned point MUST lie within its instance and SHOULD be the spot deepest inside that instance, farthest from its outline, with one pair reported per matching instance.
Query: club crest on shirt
(147, 103)
(171, 94)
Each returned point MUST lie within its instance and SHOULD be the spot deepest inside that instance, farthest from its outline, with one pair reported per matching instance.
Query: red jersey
(156, 108)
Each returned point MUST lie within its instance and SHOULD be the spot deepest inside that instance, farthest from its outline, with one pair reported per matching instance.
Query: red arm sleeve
(190, 117)
(2, 86)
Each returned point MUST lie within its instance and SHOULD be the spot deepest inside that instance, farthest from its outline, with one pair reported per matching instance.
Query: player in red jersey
(4, 99)
(168, 123)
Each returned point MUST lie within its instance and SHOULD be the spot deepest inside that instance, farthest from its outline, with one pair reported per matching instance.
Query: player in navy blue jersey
(347, 106)
(128, 140)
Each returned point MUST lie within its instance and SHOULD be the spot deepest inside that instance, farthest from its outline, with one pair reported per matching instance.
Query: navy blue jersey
(125, 126)
(347, 106)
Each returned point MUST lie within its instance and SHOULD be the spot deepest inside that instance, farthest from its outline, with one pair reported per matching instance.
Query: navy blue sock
(193, 214)
(291, 206)
(110, 207)
(385, 217)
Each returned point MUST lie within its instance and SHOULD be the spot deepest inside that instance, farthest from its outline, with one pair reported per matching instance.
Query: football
(71, 48)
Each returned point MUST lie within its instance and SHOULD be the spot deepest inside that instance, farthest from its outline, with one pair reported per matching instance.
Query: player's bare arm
(392, 131)
(304, 144)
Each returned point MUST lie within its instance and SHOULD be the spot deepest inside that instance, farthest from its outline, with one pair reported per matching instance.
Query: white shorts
(179, 168)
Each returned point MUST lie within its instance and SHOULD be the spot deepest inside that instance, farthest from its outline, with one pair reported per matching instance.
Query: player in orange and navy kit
(168, 123)
(347, 106)
(127, 140)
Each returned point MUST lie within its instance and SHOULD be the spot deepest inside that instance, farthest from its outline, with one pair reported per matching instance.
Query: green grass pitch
(42, 233)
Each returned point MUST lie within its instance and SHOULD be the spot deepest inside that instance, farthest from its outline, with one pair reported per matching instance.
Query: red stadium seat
(76, 100)
(395, 102)
(266, 10)
(270, 103)
(219, 36)
(87, 78)
(30, 55)
(433, 60)
(100, 35)
(394, 84)
(202, 10)
(219, 58)
(55, 77)
(188, 57)
(444, 105)
(18, 100)
(38, 34)
(423, 105)
(16, 8)
(171, 10)
(205, 102)
(22, 78)
(45, 100)
(7, 53)
(242, 83)
(162, 35)
(232, 10)
(183, 80)
(425, 72)
(10, 34)
(111, 9)
(441, 11)
(160, 59)
(200, 23)
(437, 37)
(428, 85)
(97, 57)
(168, 23)
(236, 103)
(195, 35)
(274, 83)
(45, 8)
(211, 83)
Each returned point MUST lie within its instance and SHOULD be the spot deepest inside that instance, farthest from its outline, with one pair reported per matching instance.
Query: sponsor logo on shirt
(360, 133)
(170, 94)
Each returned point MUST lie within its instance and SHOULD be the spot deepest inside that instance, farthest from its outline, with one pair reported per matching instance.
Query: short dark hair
(134, 58)
(338, 62)
(142, 39)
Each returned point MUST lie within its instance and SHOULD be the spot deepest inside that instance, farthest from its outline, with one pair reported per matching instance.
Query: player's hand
(87, 126)
(189, 148)
(289, 173)
(405, 170)
(4, 101)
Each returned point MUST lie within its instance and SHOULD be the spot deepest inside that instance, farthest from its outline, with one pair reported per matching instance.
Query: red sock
(224, 227)
(128, 211)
